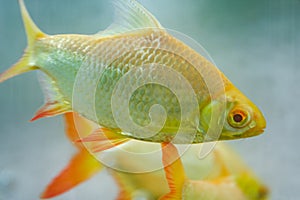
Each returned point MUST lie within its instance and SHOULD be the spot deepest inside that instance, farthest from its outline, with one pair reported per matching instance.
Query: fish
(118, 76)
(221, 175)
(136, 81)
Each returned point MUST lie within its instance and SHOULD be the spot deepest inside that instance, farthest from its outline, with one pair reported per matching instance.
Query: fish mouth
(248, 134)
(253, 133)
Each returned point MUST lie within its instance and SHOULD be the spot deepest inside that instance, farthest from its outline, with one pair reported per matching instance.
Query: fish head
(242, 117)
(251, 186)
(244, 185)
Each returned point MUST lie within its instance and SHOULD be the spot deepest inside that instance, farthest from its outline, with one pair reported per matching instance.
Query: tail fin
(81, 167)
(33, 33)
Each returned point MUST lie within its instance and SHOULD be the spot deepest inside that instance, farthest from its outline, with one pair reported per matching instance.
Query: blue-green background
(255, 43)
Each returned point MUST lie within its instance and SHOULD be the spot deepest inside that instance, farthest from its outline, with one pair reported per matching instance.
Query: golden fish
(118, 77)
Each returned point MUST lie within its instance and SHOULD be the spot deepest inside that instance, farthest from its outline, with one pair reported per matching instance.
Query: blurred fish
(222, 175)
(82, 72)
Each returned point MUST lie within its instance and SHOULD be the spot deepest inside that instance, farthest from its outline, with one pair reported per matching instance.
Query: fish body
(63, 56)
(126, 69)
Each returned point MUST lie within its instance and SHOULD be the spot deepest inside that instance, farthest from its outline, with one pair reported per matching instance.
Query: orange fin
(82, 166)
(55, 103)
(129, 189)
(124, 188)
(104, 139)
(51, 109)
(123, 196)
(75, 125)
(175, 174)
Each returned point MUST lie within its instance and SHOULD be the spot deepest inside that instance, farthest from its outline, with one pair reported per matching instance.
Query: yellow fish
(222, 175)
(118, 77)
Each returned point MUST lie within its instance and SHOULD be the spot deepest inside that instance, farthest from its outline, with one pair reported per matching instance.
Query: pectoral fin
(174, 172)
(103, 139)
(76, 126)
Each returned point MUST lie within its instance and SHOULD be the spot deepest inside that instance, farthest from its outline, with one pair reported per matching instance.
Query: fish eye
(238, 118)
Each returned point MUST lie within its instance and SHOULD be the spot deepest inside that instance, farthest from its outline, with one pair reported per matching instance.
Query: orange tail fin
(82, 166)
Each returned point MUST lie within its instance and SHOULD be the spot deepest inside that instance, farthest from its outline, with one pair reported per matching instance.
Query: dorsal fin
(32, 31)
(130, 15)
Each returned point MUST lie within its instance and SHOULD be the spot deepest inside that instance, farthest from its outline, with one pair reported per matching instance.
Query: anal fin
(50, 109)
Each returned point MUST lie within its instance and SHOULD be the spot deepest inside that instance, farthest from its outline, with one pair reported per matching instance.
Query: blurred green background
(255, 43)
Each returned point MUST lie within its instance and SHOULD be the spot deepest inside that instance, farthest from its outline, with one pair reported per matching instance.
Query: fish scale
(142, 99)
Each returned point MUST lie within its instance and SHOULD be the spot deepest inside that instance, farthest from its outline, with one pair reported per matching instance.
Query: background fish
(75, 65)
(222, 175)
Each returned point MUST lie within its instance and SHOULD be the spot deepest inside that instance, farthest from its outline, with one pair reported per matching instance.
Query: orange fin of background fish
(81, 167)
(174, 172)
(104, 139)
(124, 193)
(75, 125)
(33, 33)
(51, 109)
(123, 196)
(125, 190)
